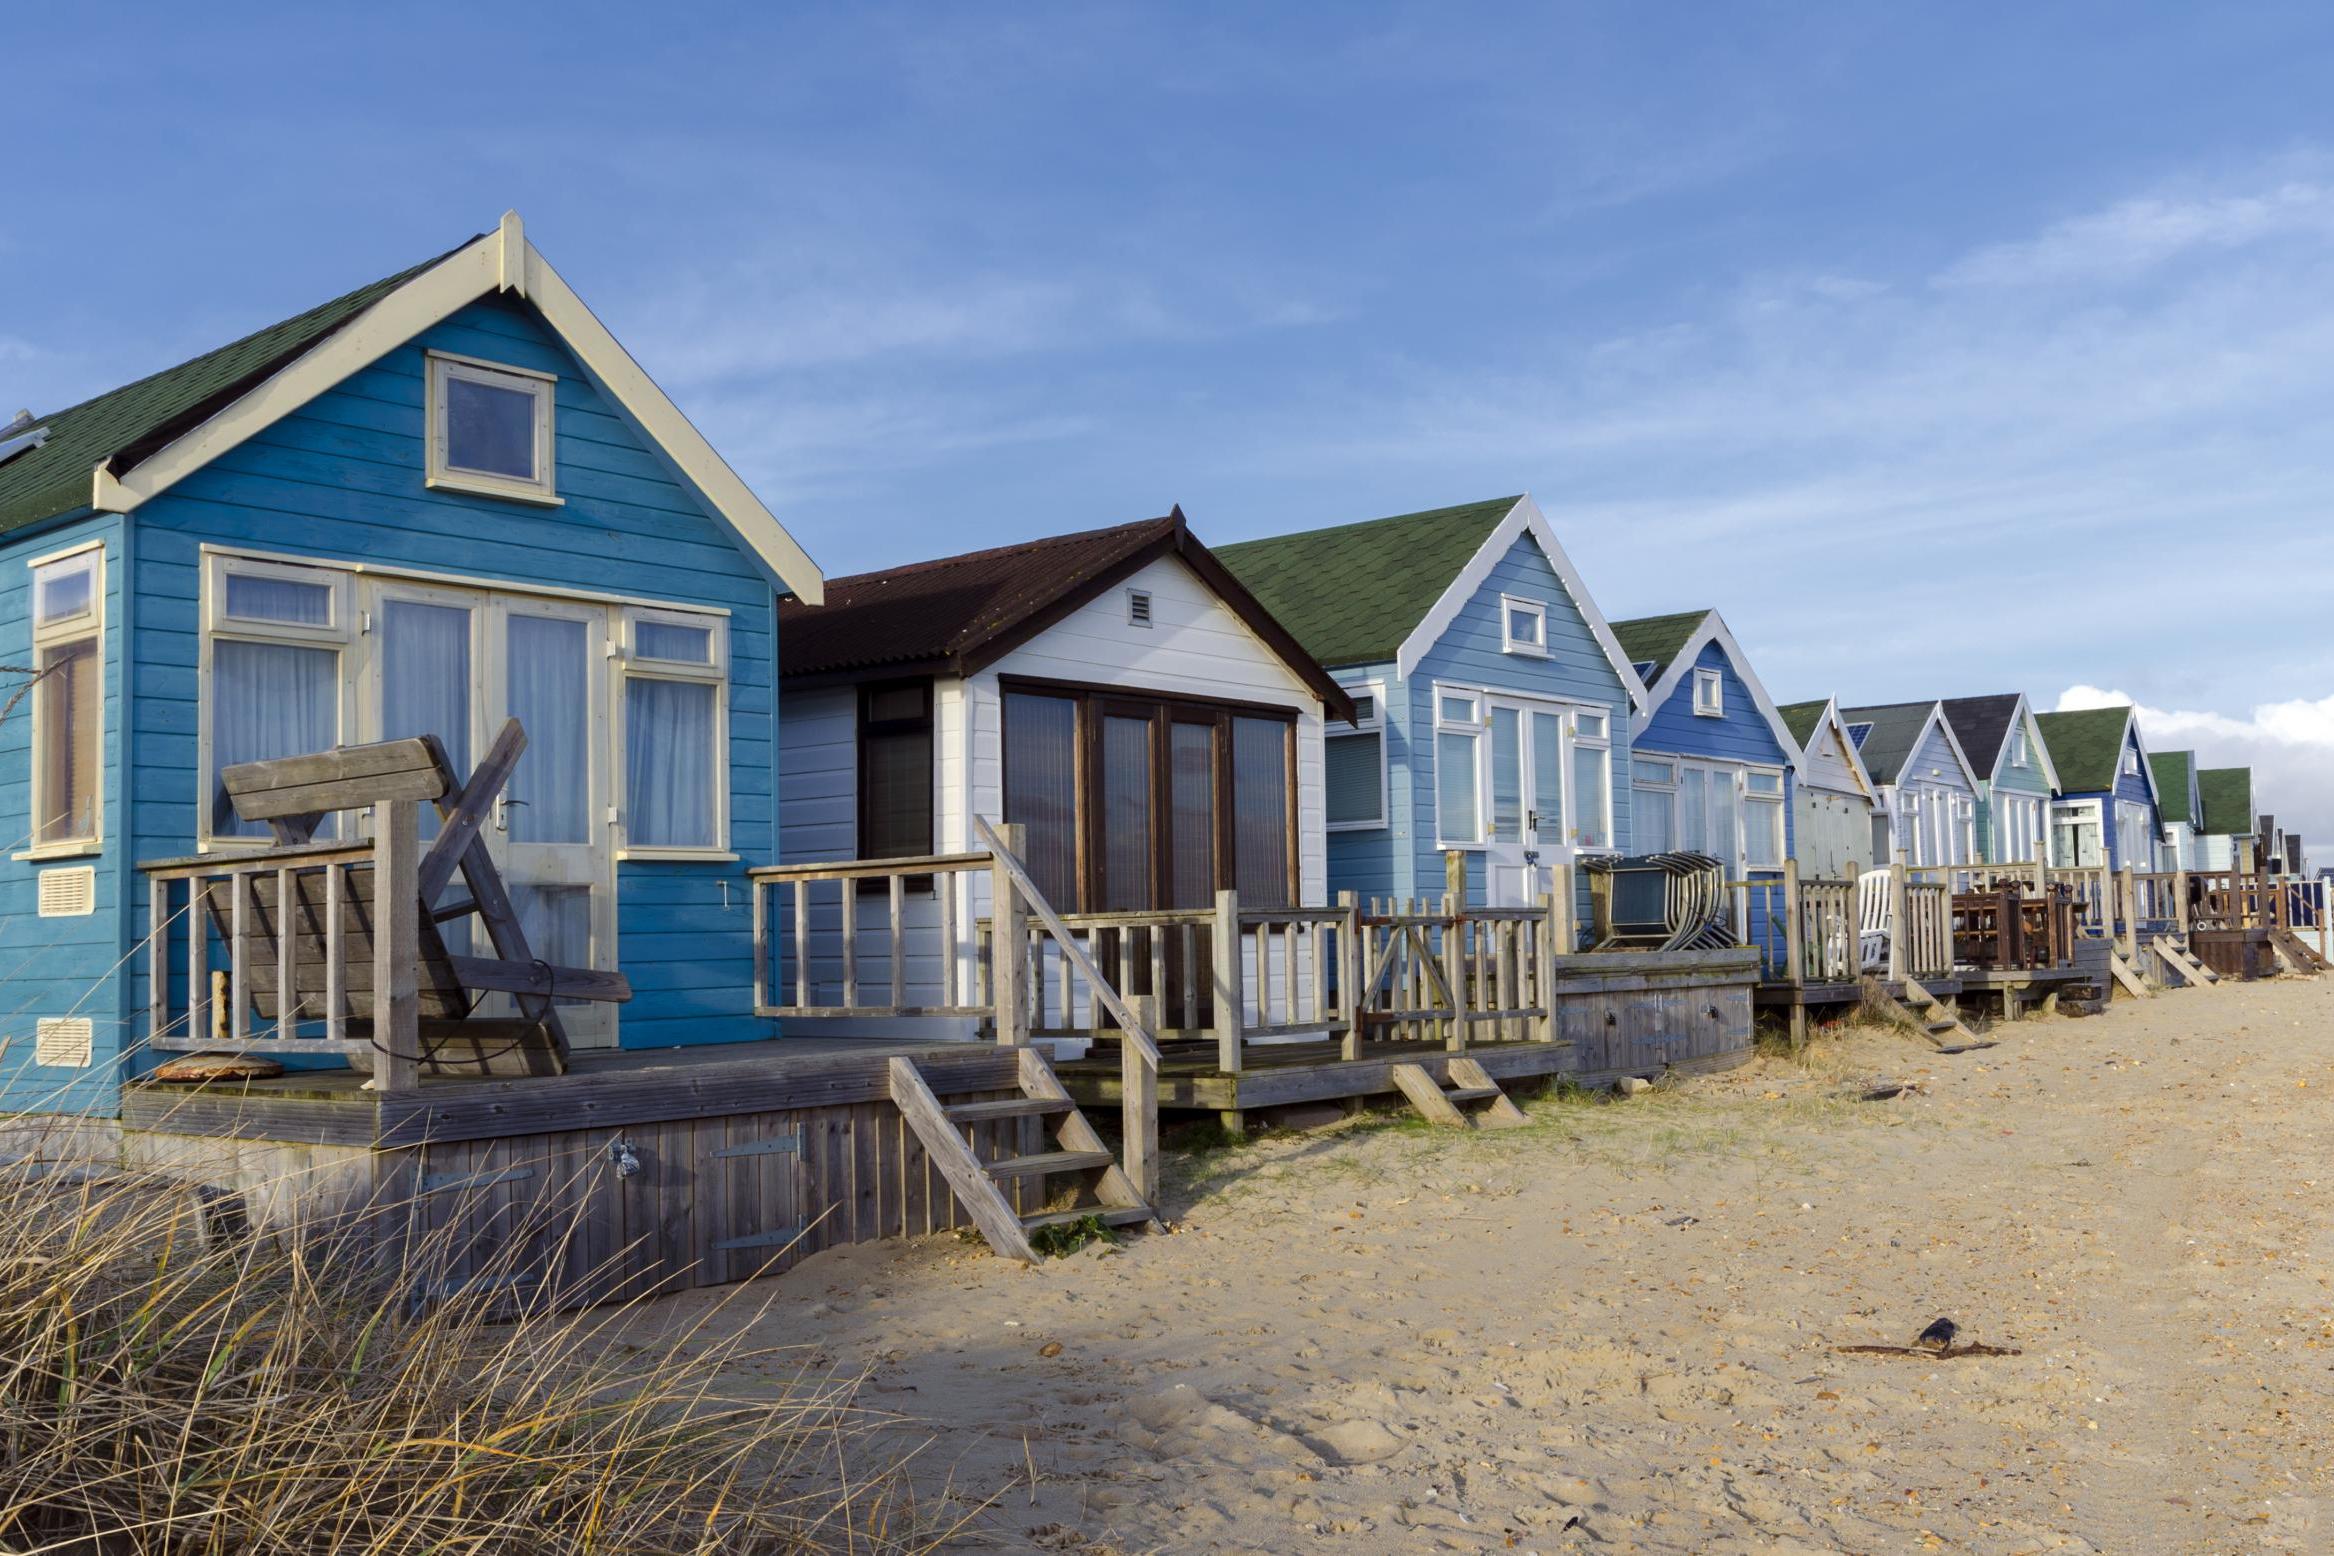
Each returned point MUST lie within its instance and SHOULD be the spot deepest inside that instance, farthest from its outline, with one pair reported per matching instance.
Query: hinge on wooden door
(772, 1239)
(791, 1141)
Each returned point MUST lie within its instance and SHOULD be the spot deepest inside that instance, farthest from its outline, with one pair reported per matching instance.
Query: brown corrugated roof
(954, 614)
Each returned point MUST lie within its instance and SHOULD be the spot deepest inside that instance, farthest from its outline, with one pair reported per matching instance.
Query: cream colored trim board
(505, 261)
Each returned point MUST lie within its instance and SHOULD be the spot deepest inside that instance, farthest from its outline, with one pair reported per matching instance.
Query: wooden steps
(2297, 951)
(2193, 972)
(2129, 976)
(1474, 1101)
(948, 1132)
(1935, 1020)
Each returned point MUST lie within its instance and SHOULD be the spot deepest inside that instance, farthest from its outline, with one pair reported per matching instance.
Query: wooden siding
(1362, 861)
(1831, 833)
(342, 480)
(1741, 735)
(62, 966)
(2025, 777)
(1826, 766)
(1468, 653)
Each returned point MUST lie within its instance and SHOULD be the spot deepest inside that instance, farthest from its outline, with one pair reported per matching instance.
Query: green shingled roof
(2173, 770)
(2086, 746)
(1896, 729)
(1656, 640)
(126, 424)
(2228, 799)
(1352, 593)
(1801, 718)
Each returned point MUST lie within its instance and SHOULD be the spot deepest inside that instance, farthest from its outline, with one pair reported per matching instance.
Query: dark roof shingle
(1896, 729)
(2086, 746)
(1981, 724)
(1656, 640)
(2228, 799)
(129, 423)
(1352, 593)
(1801, 718)
(2175, 773)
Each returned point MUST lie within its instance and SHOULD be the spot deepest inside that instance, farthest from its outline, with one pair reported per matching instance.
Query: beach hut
(2180, 802)
(1928, 786)
(1834, 796)
(2106, 808)
(1711, 759)
(444, 500)
(2230, 823)
(2015, 778)
(1493, 701)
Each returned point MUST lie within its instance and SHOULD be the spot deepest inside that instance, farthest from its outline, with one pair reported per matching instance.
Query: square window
(1589, 726)
(64, 591)
(1523, 626)
(490, 428)
(1365, 710)
(1455, 710)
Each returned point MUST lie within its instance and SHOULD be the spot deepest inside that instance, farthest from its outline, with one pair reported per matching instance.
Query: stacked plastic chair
(1694, 911)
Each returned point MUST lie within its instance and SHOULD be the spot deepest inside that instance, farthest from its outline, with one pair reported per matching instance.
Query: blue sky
(1944, 352)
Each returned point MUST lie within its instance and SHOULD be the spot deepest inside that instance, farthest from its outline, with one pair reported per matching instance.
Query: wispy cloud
(2289, 745)
(2137, 235)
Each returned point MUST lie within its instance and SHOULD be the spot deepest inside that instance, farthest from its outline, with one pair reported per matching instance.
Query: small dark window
(895, 770)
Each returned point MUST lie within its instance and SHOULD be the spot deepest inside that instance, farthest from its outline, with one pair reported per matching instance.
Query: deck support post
(1008, 945)
(1547, 936)
(2127, 910)
(1455, 963)
(1899, 925)
(1139, 1105)
(1349, 976)
(1230, 999)
(396, 946)
(2180, 904)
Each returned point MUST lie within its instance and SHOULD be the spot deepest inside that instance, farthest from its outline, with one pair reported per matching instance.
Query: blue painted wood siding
(1363, 860)
(342, 479)
(62, 966)
(1468, 653)
(2025, 777)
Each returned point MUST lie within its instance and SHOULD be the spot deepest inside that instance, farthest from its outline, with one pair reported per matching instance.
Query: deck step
(1466, 1094)
(1473, 1101)
(1108, 1215)
(1943, 1026)
(1007, 1107)
(1045, 1162)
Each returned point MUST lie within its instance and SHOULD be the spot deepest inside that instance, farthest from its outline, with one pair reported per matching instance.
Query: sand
(1615, 1329)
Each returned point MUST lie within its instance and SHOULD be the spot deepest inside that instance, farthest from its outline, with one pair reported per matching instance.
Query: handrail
(1130, 1026)
(869, 869)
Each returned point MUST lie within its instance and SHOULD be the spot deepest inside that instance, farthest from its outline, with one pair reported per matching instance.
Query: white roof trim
(1525, 517)
(503, 261)
(1714, 630)
(1830, 719)
(2133, 733)
(1938, 720)
(2034, 737)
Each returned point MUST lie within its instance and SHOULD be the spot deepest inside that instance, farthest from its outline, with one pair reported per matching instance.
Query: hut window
(675, 737)
(1041, 789)
(1458, 770)
(277, 634)
(1355, 768)
(2131, 761)
(1762, 819)
(2017, 745)
(490, 428)
(1261, 751)
(1592, 779)
(895, 770)
(68, 698)
(1709, 694)
(1524, 626)
(1653, 794)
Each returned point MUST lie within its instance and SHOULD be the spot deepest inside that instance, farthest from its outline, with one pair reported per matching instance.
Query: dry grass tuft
(164, 1387)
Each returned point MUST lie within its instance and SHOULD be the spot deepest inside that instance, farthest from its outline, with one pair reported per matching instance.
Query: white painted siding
(1826, 766)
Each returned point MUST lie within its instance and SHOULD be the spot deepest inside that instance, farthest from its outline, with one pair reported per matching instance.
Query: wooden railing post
(396, 946)
(1230, 997)
(2127, 890)
(1564, 935)
(1139, 1103)
(1899, 920)
(1455, 960)
(1549, 931)
(1008, 945)
(1794, 927)
(1349, 976)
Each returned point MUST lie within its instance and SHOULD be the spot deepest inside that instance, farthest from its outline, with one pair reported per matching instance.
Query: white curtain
(425, 681)
(668, 762)
(550, 696)
(268, 700)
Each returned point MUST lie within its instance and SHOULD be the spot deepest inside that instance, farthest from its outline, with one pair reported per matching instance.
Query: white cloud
(2289, 745)
(2136, 235)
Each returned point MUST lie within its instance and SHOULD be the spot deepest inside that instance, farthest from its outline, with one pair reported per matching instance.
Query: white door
(1526, 828)
(547, 667)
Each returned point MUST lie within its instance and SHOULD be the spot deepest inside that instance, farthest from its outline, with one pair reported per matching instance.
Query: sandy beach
(1618, 1328)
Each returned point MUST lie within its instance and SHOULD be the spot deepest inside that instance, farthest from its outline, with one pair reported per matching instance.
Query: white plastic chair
(1872, 919)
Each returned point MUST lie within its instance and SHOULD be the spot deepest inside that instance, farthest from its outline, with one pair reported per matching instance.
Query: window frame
(1375, 724)
(1512, 605)
(1092, 703)
(1751, 802)
(339, 635)
(871, 727)
(440, 474)
(631, 666)
(1714, 705)
(83, 626)
(1574, 743)
(1474, 727)
(2131, 760)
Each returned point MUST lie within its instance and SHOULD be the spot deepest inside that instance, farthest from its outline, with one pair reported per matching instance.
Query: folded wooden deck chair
(1665, 902)
(1872, 920)
(293, 795)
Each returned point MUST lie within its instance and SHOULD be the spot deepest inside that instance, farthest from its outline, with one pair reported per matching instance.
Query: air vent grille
(62, 1041)
(68, 893)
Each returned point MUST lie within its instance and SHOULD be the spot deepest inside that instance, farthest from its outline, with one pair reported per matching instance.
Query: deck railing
(1442, 972)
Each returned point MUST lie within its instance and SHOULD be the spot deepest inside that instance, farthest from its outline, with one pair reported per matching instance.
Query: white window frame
(1661, 791)
(541, 388)
(638, 668)
(1709, 694)
(339, 634)
(2018, 751)
(2080, 814)
(1574, 742)
(2131, 760)
(1373, 725)
(89, 625)
(1513, 605)
(1474, 727)
(1751, 801)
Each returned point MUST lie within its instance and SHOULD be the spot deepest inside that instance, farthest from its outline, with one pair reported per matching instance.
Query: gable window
(1523, 626)
(1458, 769)
(676, 665)
(274, 682)
(1354, 763)
(490, 428)
(2017, 745)
(1709, 694)
(895, 770)
(1130, 801)
(68, 701)
(2130, 761)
